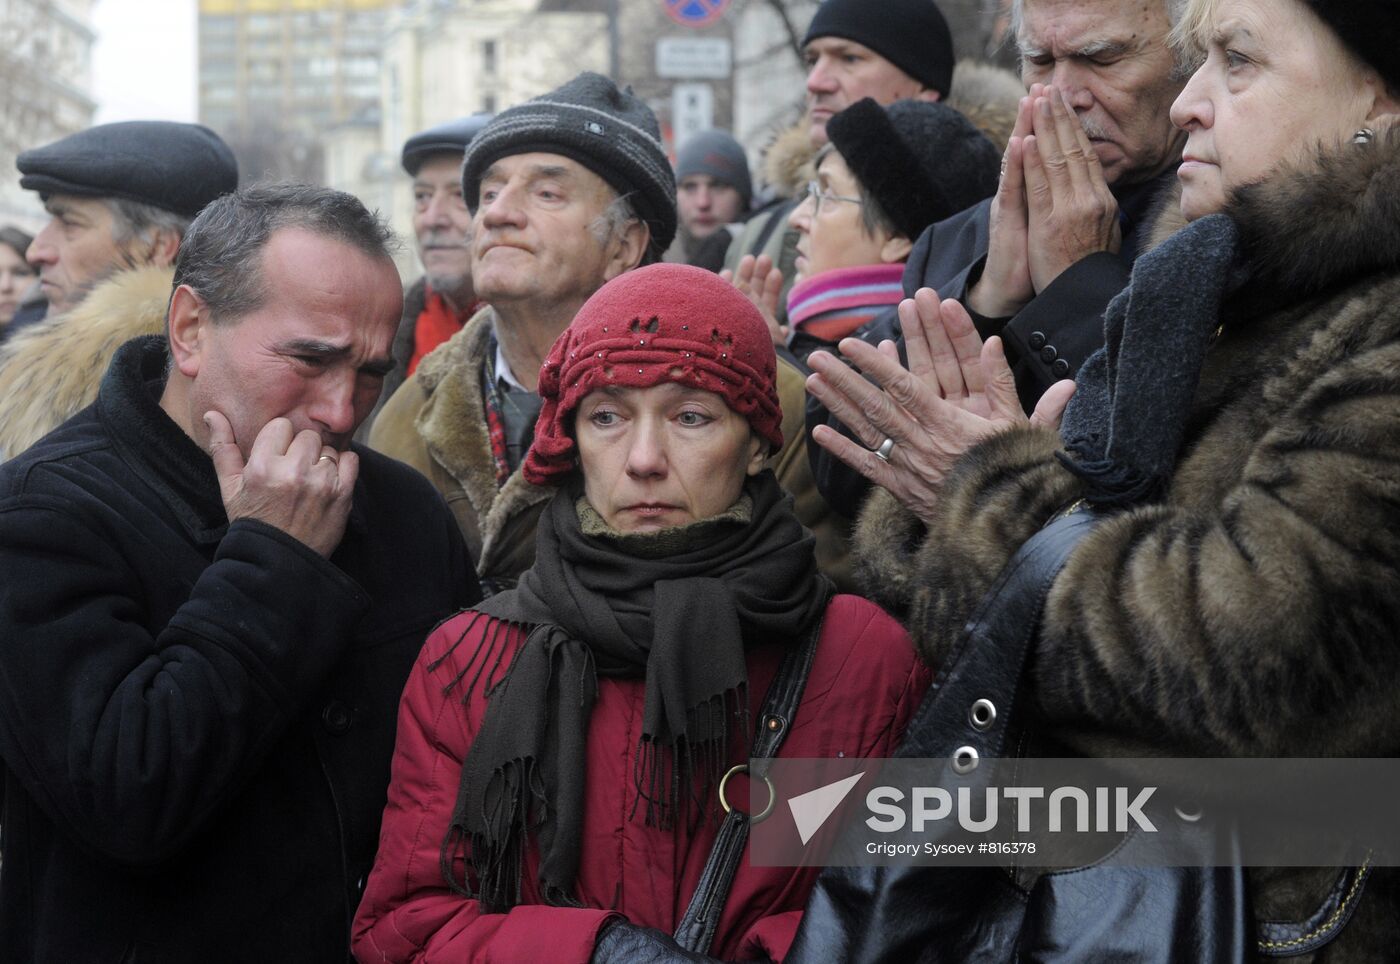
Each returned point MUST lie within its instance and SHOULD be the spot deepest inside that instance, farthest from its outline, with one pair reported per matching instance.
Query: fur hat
(921, 162)
(609, 131)
(662, 323)
(1370, 29)
(911, 34)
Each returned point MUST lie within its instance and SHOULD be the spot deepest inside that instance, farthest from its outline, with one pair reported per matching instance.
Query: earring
(1363, 136)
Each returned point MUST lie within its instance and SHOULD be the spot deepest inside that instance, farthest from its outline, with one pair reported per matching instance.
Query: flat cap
(173, 166)
(450, 138)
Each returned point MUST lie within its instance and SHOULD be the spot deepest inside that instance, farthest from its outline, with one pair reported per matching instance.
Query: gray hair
(221, 257)
(1184, 60)
(135, 219)
(615, 219)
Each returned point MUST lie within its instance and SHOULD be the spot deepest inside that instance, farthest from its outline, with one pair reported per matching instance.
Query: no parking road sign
(696, 13)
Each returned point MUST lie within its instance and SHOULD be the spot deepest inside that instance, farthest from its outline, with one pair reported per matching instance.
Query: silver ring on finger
(886, 447)
(327, 458)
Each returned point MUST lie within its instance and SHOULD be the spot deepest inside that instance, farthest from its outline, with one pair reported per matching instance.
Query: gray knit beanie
(718, 154)
(609, 131)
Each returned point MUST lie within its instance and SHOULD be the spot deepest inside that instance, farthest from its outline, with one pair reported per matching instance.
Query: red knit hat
(661, 323)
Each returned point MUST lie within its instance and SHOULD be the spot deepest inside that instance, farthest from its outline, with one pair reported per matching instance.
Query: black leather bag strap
(696, 931)
(969, 708)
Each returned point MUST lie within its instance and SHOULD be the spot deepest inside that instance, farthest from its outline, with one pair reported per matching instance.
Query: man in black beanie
(120, 199)
(887, 50)
(567, 191)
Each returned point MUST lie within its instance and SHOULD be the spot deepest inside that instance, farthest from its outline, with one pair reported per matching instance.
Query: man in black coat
(1037, 263)
(211, 602)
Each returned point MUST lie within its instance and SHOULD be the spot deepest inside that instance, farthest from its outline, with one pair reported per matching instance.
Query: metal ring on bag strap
(772, 793)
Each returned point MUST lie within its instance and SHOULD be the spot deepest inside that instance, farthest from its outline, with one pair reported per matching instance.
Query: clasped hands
(955, 392)
(1052, 208)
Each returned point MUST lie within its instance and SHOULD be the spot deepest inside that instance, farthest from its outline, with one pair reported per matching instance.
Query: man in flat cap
(437, 305)
(211, 604)
(567, 191)
(120, 198)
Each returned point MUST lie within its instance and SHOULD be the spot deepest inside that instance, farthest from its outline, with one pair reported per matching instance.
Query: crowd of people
(349, 620)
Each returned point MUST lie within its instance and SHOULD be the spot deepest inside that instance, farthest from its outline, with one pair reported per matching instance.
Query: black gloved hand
(622, 942)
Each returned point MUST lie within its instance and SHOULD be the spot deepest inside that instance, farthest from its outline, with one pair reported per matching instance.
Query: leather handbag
(1095, 913)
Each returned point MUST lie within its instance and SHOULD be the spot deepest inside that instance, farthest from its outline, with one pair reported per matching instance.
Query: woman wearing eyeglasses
(885, 175)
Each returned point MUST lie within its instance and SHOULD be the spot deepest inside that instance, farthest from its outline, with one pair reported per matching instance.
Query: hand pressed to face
(295, 484)
(955, 392)
(1052, 208)
(278, 387)
(1113, 62)
(1276, 85)
(663, 456)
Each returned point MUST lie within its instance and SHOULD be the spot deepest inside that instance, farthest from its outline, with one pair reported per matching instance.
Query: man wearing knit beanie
(713, 191)
(567, 191)
(887, 50)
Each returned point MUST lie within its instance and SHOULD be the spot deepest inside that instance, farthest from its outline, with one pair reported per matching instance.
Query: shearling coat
(436, 422)
(1255, 609)
(50, 370)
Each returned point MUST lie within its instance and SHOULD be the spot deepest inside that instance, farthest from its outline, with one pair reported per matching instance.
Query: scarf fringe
(487, 667)
(677, 779)
(514, 792)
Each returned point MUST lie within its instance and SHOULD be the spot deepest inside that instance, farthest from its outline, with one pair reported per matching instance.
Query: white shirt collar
(502, 366)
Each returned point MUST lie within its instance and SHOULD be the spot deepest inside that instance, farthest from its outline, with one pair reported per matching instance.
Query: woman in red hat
(556, 782)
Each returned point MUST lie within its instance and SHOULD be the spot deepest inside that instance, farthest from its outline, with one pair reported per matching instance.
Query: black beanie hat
(921, 162)
(1370, 29)
(166, 164)
(911, 34)
(609, 131)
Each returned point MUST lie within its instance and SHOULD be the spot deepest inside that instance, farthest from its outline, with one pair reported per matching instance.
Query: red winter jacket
(865, 684)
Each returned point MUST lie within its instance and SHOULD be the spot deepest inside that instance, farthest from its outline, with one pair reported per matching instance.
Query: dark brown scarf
(592, 608)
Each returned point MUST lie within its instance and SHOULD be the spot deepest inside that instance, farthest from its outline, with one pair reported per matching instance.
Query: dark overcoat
(196, 718)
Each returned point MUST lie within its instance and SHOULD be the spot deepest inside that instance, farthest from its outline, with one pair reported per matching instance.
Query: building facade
(46, 70)
(275, 75)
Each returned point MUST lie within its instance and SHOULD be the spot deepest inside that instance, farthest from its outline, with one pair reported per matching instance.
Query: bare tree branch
(794, 38)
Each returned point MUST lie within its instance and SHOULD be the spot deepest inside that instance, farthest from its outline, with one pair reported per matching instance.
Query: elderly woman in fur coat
(1241, 433)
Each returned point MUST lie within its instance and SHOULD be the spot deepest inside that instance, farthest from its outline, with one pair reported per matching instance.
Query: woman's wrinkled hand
(955, 392)
(762, 283)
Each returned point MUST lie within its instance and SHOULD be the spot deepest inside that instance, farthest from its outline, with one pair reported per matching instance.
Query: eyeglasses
(817, 195)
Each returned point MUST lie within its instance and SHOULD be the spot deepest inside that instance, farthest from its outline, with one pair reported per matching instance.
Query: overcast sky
(143, 64)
